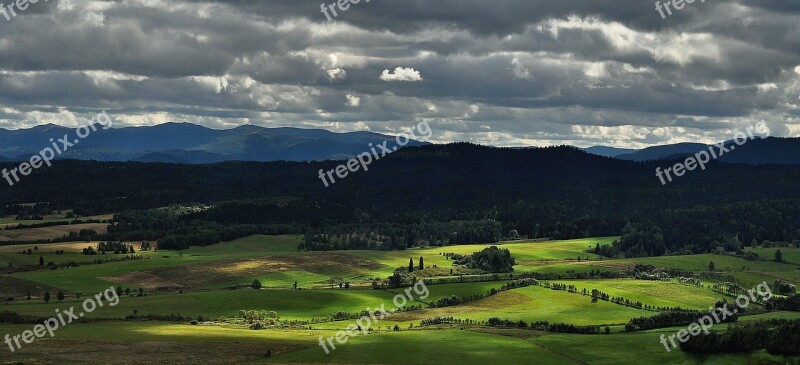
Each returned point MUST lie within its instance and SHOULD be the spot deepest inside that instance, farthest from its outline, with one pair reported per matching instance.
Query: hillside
(189, 143)
(781, 151)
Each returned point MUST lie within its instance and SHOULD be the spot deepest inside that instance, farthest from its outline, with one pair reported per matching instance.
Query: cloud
(353, 101)
(401, 74)
(519, 70)
(337, 74)
(613, 68)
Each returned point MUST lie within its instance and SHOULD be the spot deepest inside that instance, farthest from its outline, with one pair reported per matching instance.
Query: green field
(274, 261)
(198, 281)
(149, 341)
(652, 292)
(289, 304)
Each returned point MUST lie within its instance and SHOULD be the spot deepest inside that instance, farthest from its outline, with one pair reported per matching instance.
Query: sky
(499, 72)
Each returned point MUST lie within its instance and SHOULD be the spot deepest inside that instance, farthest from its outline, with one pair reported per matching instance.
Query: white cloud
(519, 70)
(767, 87)
(596, 70)
(401, 74)
(337, 74)
(353, 100)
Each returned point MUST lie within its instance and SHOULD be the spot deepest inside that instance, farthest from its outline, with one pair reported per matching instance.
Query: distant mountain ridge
(662, 152)
(772, 150)
(195, 144)
(190, 143)
(608, 151)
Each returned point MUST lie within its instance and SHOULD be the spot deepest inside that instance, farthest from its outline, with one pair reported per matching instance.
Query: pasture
(199, 283)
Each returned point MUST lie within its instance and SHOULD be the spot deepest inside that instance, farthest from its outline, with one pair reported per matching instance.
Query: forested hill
(558, 192)
(190, 143)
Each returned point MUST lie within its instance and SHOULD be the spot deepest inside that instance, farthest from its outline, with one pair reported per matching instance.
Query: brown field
(18, 288)
(224, 271)
(142, 280)
(54, 351)
(46, 233)
(50, 247)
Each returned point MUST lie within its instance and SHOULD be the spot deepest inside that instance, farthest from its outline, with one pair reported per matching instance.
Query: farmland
(206, 285)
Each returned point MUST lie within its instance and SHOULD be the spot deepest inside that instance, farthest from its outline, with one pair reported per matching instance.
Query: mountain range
(190, 143)
(194, 144)
(758, 151)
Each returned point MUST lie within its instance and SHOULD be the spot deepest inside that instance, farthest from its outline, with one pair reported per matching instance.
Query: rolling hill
(779, 151)
(189, 143)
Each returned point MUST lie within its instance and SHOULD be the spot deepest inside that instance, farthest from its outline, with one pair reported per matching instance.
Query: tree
(411, 264)
(711, 266)
(778, 256)
(395, 280)
(491, 259)
(41, 260)
(47, 297)
(60, 296)
(256, 284)
(421, 264)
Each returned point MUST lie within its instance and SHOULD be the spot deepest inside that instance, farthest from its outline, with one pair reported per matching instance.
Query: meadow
(209, 284)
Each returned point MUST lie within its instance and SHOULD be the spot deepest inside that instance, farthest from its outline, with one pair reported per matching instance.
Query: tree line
(483, 193)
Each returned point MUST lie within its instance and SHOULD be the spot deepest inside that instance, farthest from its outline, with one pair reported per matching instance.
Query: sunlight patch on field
(245, 270)
(657, 293)
(535, 304)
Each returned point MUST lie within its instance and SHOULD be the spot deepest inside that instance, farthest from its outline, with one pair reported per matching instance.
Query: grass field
(158, 343)
(289, 304)
(274, 260)
(204, 275)
(789, 254)
(72, 253)
(654, 293)
(47, 233)
(536, 304)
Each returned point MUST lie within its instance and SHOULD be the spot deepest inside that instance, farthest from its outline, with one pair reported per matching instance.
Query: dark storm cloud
(503, 72)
